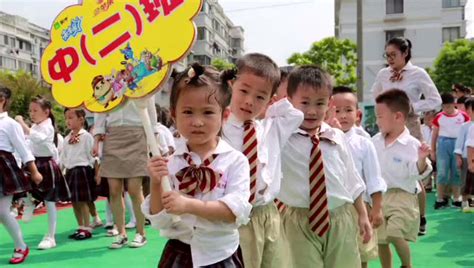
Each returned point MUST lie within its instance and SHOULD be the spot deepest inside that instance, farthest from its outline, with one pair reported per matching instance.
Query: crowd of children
(267, 169)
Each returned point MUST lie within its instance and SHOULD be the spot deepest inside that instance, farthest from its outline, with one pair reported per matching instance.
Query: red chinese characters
(150, 7)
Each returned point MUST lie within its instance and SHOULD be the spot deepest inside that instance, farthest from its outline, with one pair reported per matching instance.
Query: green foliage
(24, 87)
(454, 64)
(222, 64)
(337, 56)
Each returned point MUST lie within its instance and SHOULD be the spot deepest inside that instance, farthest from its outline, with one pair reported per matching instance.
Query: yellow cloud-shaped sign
(104, 51)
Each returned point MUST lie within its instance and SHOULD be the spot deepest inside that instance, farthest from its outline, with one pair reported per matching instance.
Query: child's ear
(226, 114)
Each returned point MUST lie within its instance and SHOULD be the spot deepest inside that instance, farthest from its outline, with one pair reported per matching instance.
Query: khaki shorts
(370, 250)
(401, 216)
(260, 239)
(337, 248)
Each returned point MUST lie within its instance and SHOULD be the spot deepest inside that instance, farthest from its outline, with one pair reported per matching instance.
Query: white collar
(222, 147)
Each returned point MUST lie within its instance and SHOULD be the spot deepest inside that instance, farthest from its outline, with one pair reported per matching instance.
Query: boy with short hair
(320, 185)
(404, 161)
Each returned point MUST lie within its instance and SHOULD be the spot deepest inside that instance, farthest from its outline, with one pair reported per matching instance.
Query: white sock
(109, 218)
(128, 203)
(10, 223)
(52, 218)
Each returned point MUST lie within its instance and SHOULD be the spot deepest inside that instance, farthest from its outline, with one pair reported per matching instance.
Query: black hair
(259, 65)
(310, 75)
(447, 98)
(462, 88)
(396, 100)
(197, 76)
(461, 100)
(342, 89)
(469, 103)
(403, 44)
(46, 105)
(80, 113)
(5, 94)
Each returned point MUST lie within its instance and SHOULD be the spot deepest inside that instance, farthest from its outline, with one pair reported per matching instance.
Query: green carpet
(449, 243)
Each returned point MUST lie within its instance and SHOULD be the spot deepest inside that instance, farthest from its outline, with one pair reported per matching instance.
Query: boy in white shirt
(253, 85)
(366, 162)
(320, 185)
(404, 161)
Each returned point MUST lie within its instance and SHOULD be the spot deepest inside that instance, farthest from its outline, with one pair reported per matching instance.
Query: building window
(202, 59)
(451, 3)
(12, 42)
(8, 63)
(24, 45)
(394, 6)
(5, 40)
(202, 33)
(395, 33)
(451, 33)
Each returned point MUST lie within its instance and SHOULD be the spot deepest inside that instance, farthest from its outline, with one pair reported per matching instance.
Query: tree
(454, 64)
(222, 64)
(24, 87)
(337, 56)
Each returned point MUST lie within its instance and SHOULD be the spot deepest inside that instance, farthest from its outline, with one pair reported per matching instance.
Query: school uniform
(460, 148)
(195, 241)
(415, 81)
(12, 138)
(367, 165)
(361, 131)
(469, 186)
(449, 127)
(53, 188)
(336, 245)
(398, 162)
(76, 157)
(125, 151)
(260, 239)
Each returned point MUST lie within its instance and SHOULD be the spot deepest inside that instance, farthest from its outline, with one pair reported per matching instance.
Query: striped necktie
(193, 178)
(250, 151)
(397, 76)
(318, 207)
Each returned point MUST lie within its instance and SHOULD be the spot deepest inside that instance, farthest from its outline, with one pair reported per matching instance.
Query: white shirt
(460, 147)
(79, 154)
(366, 162)
(166, 139)
(12, 138)
(449, 125)
(359, 130)
(210, 241)
(470, 137)
(343, 183)
(281, 120)
(125, 115)
(415, 82)
(41, 140)
(427, 132)
(398, 162)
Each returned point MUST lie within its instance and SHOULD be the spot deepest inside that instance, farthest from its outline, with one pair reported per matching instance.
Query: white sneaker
(47, 243)
(28, 210)
(96, 223)
(138, 242)
(130, 225)
(112, 232)
(14, 212)
(119, 242)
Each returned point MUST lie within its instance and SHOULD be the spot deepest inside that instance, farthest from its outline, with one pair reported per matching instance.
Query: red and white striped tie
(318, 207)
(250, 151)
(193, 178)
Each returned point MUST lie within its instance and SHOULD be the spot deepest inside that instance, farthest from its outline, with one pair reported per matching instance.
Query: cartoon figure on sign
(103, 90)
(127, 53)
(119, 84)
(128, 76)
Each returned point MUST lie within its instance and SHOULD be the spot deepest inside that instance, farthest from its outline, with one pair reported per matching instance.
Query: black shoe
(73, 236)
(422, 230)
(83, 235)
(440, 204)
(457, 204)
(147, 222)
(471, 203)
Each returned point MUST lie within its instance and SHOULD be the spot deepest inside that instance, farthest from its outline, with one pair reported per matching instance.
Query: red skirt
(82, 184)
(53, 188)
(12, 179)
(178, 254)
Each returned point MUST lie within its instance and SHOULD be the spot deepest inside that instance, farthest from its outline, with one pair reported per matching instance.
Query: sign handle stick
(141, 106)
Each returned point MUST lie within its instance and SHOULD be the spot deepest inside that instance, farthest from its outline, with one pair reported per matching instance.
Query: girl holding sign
(209, 179)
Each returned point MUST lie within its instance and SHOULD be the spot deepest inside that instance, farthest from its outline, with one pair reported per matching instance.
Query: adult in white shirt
(414, 80)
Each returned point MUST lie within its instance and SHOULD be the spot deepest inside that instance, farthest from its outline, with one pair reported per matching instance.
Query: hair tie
(191, 73)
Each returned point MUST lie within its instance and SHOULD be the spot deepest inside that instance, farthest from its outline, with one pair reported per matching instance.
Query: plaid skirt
(12, 179)
(82, 184)
(54, 187)
(177, 254)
